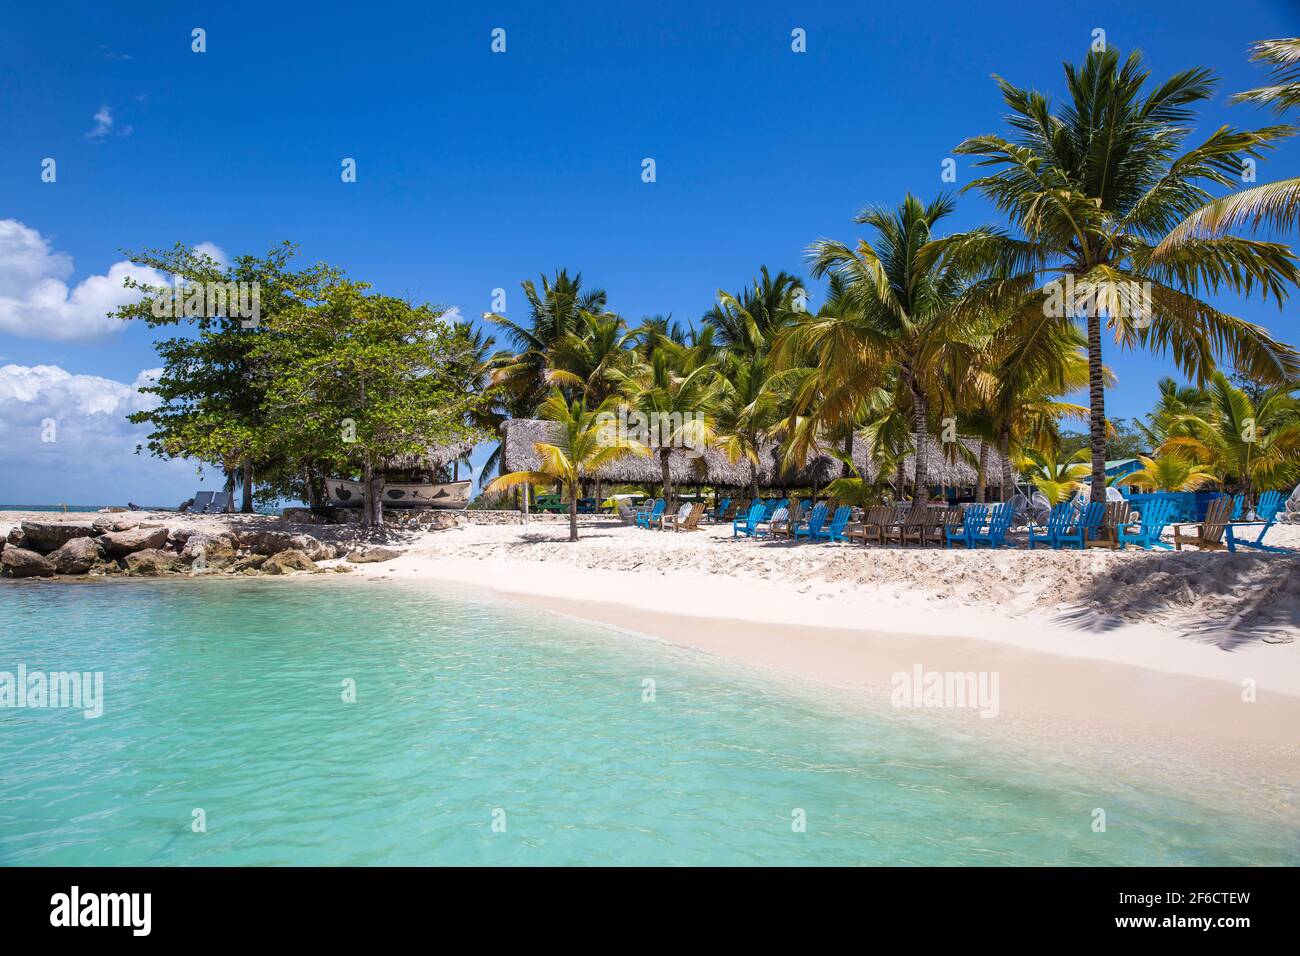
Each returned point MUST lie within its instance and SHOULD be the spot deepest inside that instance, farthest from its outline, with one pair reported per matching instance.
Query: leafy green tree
(358, 380)
(212, 391)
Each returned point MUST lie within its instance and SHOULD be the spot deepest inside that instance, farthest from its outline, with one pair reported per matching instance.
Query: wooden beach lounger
(1208, 533)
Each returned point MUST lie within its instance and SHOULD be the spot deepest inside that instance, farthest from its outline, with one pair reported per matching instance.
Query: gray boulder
(136, 539)
(22, 563)
(77, 556)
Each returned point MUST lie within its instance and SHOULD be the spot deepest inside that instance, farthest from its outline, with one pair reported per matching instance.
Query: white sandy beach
(854, 617)
(1153, 644)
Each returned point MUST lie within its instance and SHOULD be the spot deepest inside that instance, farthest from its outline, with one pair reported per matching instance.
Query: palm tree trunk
(573, 513)
(920, 425)
(1097, 407)
(246, 470)
(1004, 446)
(753, 479)
(664, 455)
(845, 469)
(981, 473)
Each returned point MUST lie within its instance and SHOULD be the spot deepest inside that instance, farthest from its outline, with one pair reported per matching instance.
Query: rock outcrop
(24, 563)
(285, 562)
(370, 555)
(117, 543)
(152, 561)
(46, 536)
(77, 556)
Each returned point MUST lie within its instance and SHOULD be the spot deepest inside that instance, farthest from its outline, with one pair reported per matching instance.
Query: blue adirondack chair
(1155, 515)
(1238, 507)
(808, 529)
(1085, 528)
(648, 519)
(999, 524)
(1058, 519)
(772, 506)
(1266, 512)
(972, 521)
(721, 509)
(835, 530)
(749, 523)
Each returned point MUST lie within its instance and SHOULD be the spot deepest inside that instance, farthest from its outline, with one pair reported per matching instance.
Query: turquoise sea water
(227, 697)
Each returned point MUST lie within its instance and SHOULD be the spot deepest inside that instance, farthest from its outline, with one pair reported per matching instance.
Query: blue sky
(476, 170)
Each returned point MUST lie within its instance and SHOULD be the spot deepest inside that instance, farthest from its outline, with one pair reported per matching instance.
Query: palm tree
(1257, 443)
(1057, 479)
(1276, 205)
(1170, 472)
(896, 315)
(748, 321)
(588, 359)
(553, 314)
(745, 410)
(677, 401)
(1093, 189)
(585, 441)
(1169, 416)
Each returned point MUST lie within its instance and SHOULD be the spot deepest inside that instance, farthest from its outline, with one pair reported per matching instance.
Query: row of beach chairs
(1096, 524)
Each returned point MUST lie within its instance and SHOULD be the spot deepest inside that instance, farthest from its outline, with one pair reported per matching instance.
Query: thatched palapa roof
(435, 457)
(520, 436)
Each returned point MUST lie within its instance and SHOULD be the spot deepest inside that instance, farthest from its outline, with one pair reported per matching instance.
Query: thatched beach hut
(949, 468)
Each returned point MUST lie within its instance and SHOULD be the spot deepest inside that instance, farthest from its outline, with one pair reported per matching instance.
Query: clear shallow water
(226, 696)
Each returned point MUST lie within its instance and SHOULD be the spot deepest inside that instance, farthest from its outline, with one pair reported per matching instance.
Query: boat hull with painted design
(449, 495)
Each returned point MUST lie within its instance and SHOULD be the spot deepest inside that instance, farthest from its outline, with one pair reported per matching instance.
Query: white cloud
(35, 300)
(103, 124)
(452, 316)
(92, 455)
(213, 251)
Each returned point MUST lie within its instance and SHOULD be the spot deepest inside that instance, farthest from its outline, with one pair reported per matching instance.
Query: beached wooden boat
(453, 494)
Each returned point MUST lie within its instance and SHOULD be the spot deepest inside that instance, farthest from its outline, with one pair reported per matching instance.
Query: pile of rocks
(114, 544)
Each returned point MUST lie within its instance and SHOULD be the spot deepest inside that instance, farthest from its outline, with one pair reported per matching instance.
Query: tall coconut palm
(554, 313)
(587, 360)
(748, 321)
(677, 401)
(745, 410)
(1092, 188)
(584, 441)
(897, 314)
(1275, 205)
